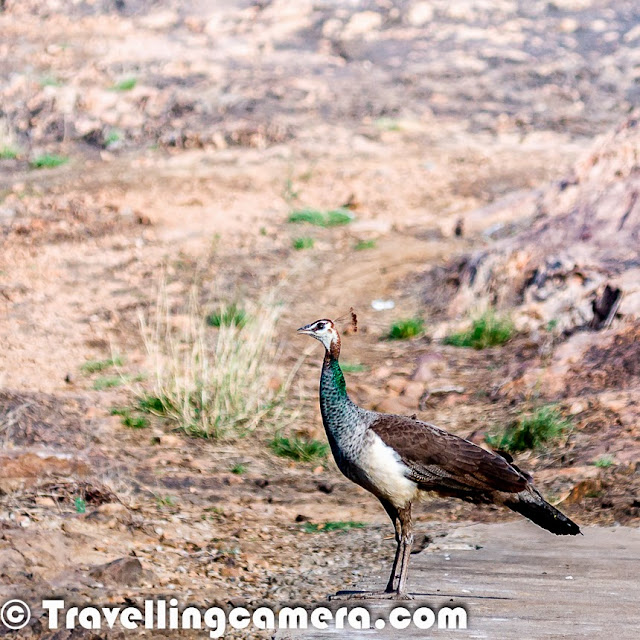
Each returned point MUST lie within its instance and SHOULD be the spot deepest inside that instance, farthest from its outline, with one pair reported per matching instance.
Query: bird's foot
(371, 595)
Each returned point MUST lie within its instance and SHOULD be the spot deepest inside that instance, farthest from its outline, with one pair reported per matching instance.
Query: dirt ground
(191, 130)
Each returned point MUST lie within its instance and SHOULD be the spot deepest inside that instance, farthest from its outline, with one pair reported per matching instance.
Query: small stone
(362, 23)
(397, 384)
(420, 14)
(123, 571)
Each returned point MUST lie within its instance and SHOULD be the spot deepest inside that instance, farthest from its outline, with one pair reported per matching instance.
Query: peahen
(397, 458)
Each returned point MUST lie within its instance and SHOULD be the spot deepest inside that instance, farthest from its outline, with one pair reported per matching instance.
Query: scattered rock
(420, 14)
(123, 571)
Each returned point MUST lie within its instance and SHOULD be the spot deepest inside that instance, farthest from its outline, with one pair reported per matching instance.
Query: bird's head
(325, 331)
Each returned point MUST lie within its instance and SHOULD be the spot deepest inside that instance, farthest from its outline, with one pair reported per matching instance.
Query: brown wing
(441, 460)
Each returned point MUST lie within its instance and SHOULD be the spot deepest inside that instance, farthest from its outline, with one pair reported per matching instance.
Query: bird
(400, 458)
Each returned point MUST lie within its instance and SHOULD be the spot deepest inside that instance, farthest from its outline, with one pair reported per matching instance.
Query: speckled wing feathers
(439, 460)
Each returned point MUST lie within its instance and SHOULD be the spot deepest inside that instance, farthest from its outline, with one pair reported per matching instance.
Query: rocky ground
(188, 133)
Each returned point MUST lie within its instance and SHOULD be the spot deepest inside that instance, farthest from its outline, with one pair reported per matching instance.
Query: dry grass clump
(213, 382)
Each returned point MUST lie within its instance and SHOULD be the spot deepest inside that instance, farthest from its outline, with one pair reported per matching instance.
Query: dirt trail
(191, 133)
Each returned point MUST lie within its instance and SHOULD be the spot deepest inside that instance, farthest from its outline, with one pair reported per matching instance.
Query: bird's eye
(321, 325)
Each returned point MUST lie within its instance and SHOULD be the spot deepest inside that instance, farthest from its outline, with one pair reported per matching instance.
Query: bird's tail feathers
(532, 505)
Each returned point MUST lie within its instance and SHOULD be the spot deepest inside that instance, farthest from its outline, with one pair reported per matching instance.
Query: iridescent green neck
(338, 378)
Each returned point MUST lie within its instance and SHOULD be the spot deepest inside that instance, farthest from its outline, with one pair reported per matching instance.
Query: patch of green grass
(302, 243)
(326, 527)
(154, 404)
(388, 124)
(112, 137)
(532, 431)
(604, 462)
(228, 317)
(93, 366)
(49, 81)
(125, 85)
(8, 153)
(239, 469)
(321, 218)
(107, 382)
(135, 422)
(362, 245)
(487, 330)
(130, 419)
(352, 367)
(48, 161)
(80, 505)
(405, 329)
(165, 501)
(300, 449)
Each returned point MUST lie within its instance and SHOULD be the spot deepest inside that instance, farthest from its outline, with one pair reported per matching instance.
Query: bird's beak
(305, 330)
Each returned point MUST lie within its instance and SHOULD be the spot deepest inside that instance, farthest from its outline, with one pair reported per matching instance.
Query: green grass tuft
(532, 431)
(93, 366)
(80, 504)
(302, 243)
(320, 218)
(352, 367)
(8, 153)
(326, 527)
(112, 137)
(48, 161)
(231, 316)
(300, 449)
(405, 329)
(604, 462)
(362, 245)
(487, 330)
(135, 422)
(125, 85)
(239, 469)
(388, 124)
(108, 382)
(49, 81)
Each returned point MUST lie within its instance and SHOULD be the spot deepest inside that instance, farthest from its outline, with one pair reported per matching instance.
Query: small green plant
(8, 153)
(604, 462)
(352, 367)
(405, 329)
(48, 161)
(49, 81)
(154, 404)
(320, 218)
(302, 243)
(551, 325)
(231, 316)
(300, 449)
(93, 366)
(112, 137)
(388, 124)
(135, 422)
(239, 469)
(487, 330)
(362, 245)
(125, 85)
(165, 501)
(532, 431)
(107, 382)
(326, 527)
(80, 505)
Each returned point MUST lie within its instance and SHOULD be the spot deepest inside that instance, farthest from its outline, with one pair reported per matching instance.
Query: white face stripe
(327, 334)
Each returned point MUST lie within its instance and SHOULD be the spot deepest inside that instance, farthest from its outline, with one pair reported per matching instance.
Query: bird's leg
(393, 589)
(393, 514)
(406, 542)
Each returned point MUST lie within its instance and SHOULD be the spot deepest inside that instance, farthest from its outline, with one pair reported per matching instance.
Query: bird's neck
(337, 409)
